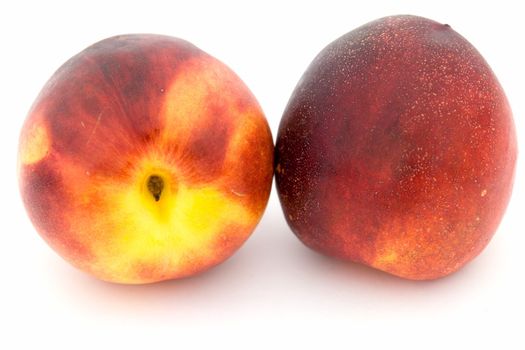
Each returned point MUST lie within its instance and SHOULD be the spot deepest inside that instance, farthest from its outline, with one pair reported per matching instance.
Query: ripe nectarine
(397, 149)
(145, 159)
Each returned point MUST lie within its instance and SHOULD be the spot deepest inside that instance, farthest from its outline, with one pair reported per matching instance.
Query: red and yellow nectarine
(397, 149)
(145, 159)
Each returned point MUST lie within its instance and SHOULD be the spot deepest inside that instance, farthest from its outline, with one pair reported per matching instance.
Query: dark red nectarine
(397, 149)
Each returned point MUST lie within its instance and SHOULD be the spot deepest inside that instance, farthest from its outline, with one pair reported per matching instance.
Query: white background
(274, 292)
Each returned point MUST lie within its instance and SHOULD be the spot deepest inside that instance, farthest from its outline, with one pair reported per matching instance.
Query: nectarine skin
(145, 159)
(397, 149)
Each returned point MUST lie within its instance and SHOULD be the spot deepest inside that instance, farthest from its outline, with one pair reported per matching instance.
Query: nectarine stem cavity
(155, 186)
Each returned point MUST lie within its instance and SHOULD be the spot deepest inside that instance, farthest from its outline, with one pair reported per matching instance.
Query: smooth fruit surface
(145, 159)
(397, 149)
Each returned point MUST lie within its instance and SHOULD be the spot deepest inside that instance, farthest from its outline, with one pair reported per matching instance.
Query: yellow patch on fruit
(386, 257)
(171, 234)
(34, 144)
(198, 83)
(247, 127)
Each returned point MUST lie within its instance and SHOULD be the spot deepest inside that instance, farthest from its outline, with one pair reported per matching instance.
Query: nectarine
(145, 159)
(397, 149)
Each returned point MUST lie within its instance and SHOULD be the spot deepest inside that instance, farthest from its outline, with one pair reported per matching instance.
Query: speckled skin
(397, 149)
